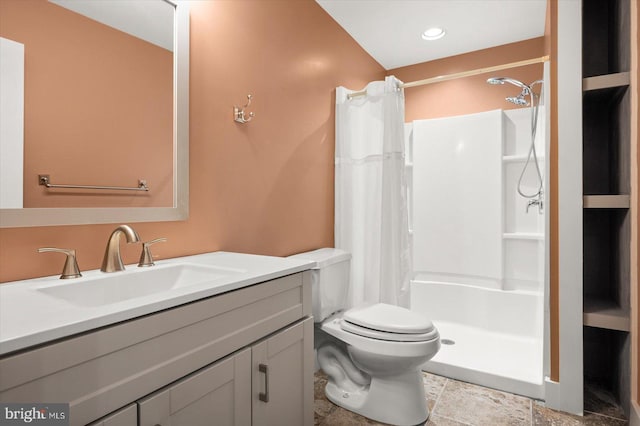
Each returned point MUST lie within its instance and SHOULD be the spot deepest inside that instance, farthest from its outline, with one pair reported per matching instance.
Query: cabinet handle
(264, 396)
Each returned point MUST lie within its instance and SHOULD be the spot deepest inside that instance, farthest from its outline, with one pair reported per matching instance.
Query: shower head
(495, 80)
(502, 80)
(518, 100)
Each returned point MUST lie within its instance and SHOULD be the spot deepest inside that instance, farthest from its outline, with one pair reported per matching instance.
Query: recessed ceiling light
(434, 33)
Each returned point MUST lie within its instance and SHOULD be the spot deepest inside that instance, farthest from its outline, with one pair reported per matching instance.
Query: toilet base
(398, 400)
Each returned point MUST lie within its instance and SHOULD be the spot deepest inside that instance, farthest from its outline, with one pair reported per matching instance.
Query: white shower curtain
(371, 217)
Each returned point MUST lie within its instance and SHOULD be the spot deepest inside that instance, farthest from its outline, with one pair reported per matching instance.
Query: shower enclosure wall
(479, 256)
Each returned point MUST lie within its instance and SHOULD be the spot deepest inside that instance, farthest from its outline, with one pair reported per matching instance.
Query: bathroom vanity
(236, 350)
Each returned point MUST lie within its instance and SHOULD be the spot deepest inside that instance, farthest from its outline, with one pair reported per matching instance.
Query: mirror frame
(26, 217)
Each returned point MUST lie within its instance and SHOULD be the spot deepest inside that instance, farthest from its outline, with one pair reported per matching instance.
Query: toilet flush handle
(264, 396)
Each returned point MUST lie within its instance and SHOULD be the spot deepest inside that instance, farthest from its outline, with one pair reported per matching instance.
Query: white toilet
(373, 360)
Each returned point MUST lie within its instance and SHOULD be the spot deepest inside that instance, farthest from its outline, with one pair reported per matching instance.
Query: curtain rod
(462, 74)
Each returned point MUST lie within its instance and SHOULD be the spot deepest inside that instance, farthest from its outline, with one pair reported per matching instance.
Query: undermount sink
(120, 286)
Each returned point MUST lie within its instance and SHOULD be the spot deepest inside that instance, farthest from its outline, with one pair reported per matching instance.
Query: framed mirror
(108, 106)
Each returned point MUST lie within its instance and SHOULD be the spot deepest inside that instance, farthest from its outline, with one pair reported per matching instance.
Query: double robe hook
(239, 113)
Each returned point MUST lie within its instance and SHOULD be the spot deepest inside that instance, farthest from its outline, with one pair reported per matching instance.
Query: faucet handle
(146, 259)
(70, 269)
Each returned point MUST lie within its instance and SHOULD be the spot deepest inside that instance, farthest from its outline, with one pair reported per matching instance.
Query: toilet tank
(329, 280)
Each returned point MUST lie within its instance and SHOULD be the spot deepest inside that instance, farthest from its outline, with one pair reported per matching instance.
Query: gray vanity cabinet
(216, 395)
(236, 391)
(127, 416)
(195, 364)
(283, 388)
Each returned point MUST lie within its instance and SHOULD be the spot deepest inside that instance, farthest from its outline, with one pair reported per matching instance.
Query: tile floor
(455, 403)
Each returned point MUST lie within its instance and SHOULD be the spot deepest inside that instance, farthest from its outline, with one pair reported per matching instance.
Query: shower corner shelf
(518, 158)
(606, 314)
(523, 236)
(606, 201)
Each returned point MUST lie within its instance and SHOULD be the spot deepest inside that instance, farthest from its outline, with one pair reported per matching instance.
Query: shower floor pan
(498, 360)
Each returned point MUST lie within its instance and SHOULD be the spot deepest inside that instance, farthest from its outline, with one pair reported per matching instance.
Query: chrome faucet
(112, 261)
(535, 202)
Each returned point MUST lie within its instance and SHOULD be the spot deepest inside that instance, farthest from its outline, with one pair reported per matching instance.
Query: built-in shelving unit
(606, 187)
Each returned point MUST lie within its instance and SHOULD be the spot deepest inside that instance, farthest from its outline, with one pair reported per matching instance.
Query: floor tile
(342, 417)
(476, 405)
(319, 382)
(327, 413)
(543, 416)
(454, 403)
(322, 407)
(443, 421)
(433, 386)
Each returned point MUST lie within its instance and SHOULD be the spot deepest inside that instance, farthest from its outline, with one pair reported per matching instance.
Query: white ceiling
(151, 21)
(390, 30)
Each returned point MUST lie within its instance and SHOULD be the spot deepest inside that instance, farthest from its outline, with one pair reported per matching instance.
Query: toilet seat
(385, 335)
(387, 322)
(386, 347)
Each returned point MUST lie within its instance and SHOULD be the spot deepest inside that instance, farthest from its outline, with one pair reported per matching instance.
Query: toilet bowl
(373, 359)
(392, 390)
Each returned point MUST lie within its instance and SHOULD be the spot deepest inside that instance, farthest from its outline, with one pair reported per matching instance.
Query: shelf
(606, 137)
(607, 361)
(607, 81)
(605, 37)
(606, 314)
(606, 202)
(523, 236)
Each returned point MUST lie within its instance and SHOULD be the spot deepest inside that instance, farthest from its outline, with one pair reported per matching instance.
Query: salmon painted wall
(98, 108)
(471, 94)
(265, 187)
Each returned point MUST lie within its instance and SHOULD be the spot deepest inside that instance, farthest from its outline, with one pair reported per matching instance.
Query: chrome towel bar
(45, 180)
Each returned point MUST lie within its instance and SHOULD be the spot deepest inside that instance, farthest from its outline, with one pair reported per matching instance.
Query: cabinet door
(127, 416)
(217, 395)
(282, 370)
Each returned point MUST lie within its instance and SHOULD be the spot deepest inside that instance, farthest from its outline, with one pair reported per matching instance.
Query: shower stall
(478, 223)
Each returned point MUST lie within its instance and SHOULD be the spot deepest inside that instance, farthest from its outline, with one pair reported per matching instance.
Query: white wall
(470, 224)
(457, 199)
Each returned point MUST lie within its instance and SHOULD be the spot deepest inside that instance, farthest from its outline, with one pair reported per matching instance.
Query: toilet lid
(388, 318)
(385, 335)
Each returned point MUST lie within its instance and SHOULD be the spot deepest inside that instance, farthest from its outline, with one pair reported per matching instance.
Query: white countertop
(30, 316)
